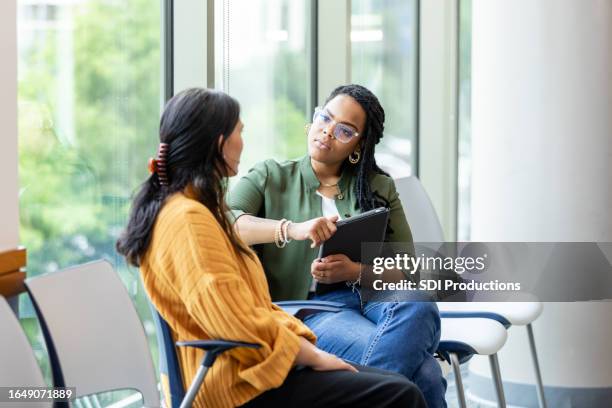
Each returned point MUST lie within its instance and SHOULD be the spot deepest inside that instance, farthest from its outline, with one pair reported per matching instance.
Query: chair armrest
(482, 314)
(516, 312)
(303, 308)
(214, 348)
(309, 303)
(463, 351)
(468, 336)
(210, 344)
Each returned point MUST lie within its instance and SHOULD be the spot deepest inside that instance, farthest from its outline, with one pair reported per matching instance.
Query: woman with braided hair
(301, 200)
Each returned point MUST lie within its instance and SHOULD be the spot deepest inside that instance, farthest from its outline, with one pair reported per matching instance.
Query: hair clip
(158, 165)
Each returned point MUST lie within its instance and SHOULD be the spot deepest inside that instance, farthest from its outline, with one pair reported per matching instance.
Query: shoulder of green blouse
(382, 184)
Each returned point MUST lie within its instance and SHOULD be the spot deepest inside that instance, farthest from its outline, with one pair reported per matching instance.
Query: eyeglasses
(343, 133)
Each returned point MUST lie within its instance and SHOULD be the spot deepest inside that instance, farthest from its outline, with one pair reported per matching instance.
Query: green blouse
(288, 190)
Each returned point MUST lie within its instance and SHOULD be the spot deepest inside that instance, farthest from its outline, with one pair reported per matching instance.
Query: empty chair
(95, 339)
(508, 314)
(420, 212)
(426, 227)
(461, 338)
(18, 366)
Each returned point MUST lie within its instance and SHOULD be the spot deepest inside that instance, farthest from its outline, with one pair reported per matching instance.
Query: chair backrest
(419, 210)
(18, 366)
(95, 339)
(171, 378)
(426, 228)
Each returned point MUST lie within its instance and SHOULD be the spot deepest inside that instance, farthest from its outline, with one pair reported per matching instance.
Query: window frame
(436, 155)
(438, 103)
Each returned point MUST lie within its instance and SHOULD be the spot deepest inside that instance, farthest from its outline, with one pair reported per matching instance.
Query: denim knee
(431, 382)
(426, 310)
(423, 318)
(425, 313)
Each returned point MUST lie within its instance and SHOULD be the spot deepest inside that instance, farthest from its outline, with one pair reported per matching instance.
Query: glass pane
(89, 97)
(464, 170)
(384, 46)
(264, 63)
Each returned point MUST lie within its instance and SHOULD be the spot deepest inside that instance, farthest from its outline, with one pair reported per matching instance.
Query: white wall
(542, 162)
(9, 216)
(542, 119)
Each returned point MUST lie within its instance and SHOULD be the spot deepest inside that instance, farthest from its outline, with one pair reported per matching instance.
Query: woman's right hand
(319, 360)
(318, 230)
(329, 362)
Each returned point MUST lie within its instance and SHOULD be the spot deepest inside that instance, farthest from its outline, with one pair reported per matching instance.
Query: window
(88, 97)
(464, 142)
(384, 58)
(264, 62)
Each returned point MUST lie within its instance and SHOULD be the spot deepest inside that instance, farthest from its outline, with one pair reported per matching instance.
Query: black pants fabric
(369, 388)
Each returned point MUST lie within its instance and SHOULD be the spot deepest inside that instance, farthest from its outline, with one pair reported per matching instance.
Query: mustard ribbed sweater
(206, 290)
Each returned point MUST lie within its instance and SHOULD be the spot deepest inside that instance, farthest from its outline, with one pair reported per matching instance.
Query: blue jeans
(395, 336)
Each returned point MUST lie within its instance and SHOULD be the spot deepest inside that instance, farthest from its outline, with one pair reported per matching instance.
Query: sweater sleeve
(225, 307)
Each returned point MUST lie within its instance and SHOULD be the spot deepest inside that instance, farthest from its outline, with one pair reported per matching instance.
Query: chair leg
(195, 386)
(86, 401)
(536, 367)
(458, 380)
(96, 401)
(499, 386)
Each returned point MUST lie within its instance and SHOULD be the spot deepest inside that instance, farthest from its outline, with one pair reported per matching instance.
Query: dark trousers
(369, 388)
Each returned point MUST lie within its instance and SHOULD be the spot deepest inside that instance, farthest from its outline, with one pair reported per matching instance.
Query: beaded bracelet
(285, 229)
(278, 234)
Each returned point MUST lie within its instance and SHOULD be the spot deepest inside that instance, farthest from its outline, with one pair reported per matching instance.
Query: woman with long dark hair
(206, 283)
(301, 200)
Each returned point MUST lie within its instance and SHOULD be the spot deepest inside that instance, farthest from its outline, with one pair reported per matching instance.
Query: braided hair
(371, 135)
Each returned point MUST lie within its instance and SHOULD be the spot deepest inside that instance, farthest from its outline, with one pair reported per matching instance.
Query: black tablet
(369, 226)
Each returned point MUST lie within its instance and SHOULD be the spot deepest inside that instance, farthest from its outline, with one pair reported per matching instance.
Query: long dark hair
(373, 132)
(191, 125)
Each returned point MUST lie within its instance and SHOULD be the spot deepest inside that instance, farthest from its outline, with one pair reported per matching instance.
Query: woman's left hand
(335, 268)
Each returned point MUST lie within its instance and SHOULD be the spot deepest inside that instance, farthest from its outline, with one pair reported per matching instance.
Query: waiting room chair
(425, 226)
(169, 366)
(508, 314)
(18, 366)
(94, 336)
(462, 338)
(171, 378)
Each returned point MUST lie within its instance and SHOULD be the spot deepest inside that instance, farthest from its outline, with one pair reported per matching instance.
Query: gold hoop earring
(307, 128)
(354, 160)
